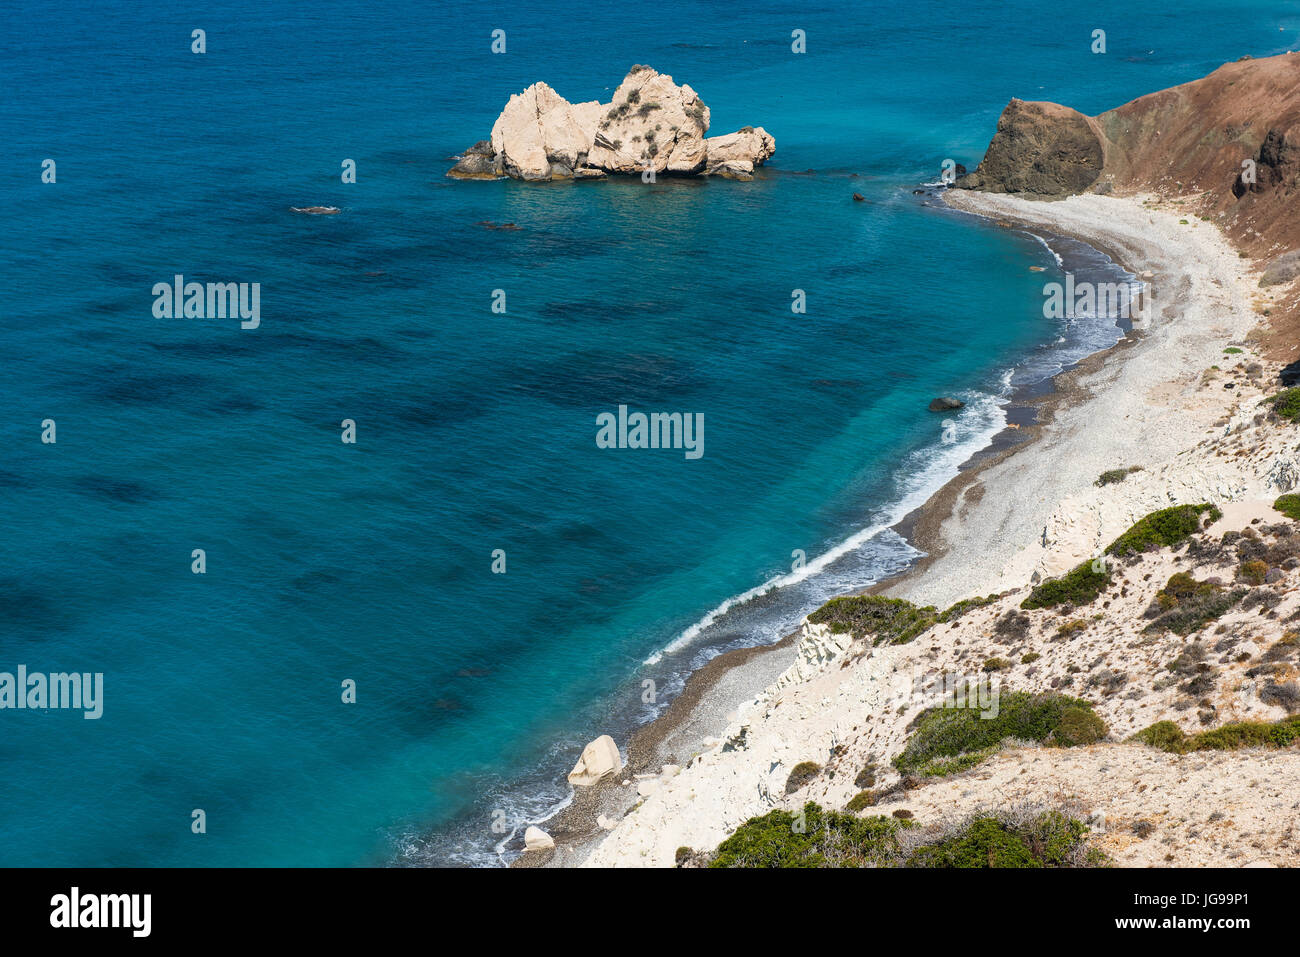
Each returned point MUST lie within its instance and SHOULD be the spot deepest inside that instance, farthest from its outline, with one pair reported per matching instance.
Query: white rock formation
(599, 760)
(535, 839)
(650, 124)
(736, 154)
(541, 135)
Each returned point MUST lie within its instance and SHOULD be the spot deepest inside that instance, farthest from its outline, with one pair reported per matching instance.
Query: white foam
(931, 468)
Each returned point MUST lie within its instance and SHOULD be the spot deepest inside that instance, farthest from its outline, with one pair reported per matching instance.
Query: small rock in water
(945, 403)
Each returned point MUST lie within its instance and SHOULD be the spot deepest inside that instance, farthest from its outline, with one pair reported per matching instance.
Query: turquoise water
(372, 562)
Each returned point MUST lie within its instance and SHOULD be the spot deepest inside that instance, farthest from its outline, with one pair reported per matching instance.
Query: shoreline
(721, 686)
(1002, 524)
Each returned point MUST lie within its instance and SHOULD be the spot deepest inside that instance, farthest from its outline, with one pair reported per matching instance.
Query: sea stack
(651, 125)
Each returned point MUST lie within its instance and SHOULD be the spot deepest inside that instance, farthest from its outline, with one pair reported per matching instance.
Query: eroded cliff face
(1040, 149)
(1228, 145)
(1232, 139)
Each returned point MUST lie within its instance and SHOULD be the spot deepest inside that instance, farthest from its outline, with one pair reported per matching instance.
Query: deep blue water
(476, 430)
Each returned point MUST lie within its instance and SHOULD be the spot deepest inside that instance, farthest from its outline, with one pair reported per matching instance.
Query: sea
(390, 650)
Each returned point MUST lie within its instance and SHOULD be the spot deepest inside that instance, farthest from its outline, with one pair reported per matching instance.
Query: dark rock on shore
(1040, 149)
(945, 404)
(479, 162)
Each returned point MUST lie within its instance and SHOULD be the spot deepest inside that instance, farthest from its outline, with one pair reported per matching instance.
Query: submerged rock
(650, 125)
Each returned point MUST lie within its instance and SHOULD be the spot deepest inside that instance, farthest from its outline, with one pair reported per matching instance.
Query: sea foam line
(933, 474)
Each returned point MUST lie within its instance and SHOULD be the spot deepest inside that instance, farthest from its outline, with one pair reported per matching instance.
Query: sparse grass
(1079, 586)
(1187, 605)
(1111, 476)
(1161, 529)
(801, 774)
(951, 739)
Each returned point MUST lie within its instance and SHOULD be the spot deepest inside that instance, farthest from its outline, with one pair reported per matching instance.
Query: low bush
(950, 739)
(802, 773)
(1111, 476)
(1286, 404)
(815, 838)
(887, 621)
(820, 838)
(1168, 736)
(1161, 529)
(1288, 505)
(1079, 586)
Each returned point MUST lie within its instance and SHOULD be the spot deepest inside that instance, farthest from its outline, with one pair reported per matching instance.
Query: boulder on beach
(535, 839)
(599, 760)
(945, 403)
(650, 124)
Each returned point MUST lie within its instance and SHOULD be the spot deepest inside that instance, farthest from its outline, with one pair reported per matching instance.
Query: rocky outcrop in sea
(650, 125)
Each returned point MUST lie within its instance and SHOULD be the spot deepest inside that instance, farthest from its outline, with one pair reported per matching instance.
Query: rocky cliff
(1227, 145)
(651, 124)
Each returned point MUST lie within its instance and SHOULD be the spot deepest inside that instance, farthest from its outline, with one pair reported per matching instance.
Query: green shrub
(1079, 586)
(802, 773)
(861, 800)
(956, 610)
(1232, 351)
(1252, 572)
(996, 664)
(1164, 528)
(836, 839)
(1289, 505)
(947, 740)
(1047, 840)
(1287, 404)
(1029, 658)
(866, 777)
(828, 839)
(889, 621)
(1167, 736)
(1079, 726)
